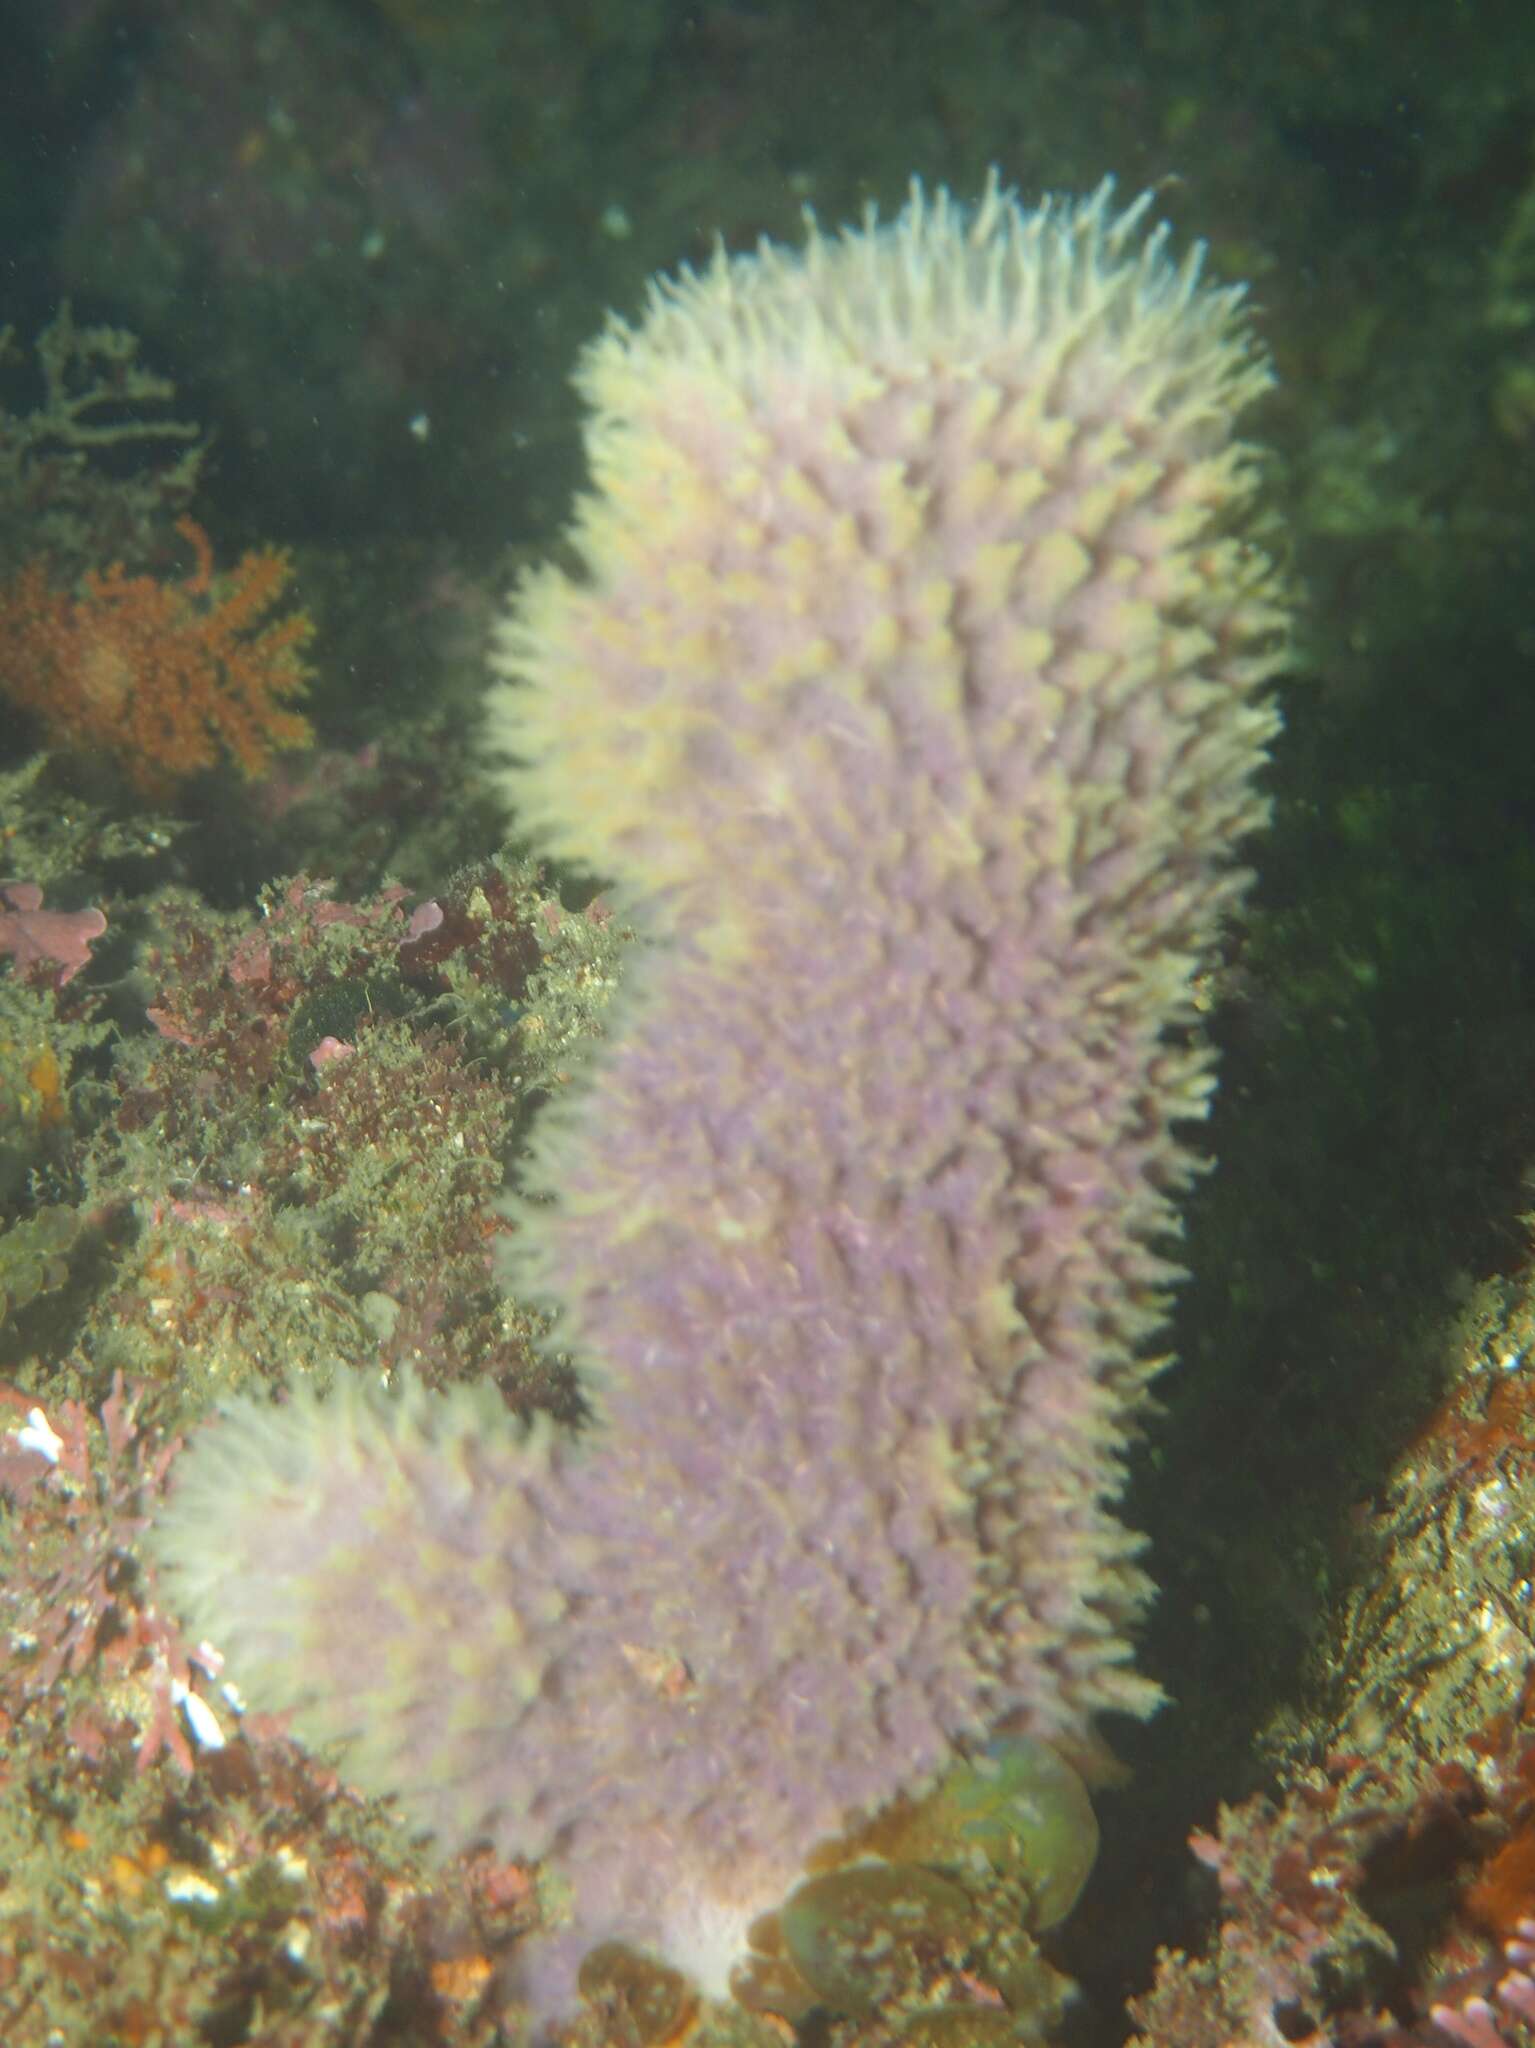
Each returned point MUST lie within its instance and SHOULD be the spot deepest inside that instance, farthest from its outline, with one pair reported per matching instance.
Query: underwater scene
(767, 1024)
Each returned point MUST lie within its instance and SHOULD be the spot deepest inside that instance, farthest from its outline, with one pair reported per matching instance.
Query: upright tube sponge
(912, 686)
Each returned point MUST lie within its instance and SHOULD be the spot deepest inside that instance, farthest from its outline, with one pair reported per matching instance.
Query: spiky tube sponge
(913, 687)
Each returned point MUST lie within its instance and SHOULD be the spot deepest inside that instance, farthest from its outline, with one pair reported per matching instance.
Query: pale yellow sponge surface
(891, 468)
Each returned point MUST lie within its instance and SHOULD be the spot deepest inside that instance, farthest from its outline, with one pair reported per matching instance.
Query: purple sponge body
(913, 686)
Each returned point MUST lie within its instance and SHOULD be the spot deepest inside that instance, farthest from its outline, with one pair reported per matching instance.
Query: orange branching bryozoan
(162, 676)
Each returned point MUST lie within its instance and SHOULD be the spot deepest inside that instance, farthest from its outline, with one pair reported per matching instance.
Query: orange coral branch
(164, 676)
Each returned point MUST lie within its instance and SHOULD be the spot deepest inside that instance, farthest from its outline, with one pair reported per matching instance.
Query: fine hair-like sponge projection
(912, 687)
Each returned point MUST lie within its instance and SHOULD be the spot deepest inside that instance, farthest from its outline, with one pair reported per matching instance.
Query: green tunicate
(652, 1998)
(1019, 1806)
(866, 1934)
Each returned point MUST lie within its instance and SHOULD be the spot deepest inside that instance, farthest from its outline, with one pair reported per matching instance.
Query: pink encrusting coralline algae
(912, 687)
